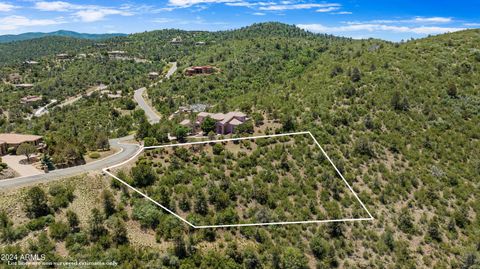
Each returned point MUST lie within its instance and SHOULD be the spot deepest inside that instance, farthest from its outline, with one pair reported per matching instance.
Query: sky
(393, 20)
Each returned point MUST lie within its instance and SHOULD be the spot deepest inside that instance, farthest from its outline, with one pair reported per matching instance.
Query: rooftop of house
(223, 118)
(18, 138)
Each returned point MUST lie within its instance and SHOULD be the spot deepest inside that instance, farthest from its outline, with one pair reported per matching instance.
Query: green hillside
(401, 121)
(64, 33)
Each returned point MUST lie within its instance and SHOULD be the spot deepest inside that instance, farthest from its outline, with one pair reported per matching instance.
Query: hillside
(401, 121)
(63, 33)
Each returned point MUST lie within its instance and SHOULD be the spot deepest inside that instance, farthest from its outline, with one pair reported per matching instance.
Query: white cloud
(259, 14)
(162, 20)
(85, 13)
(299, 6)
(433, 20)
(14, 22)
(472, 24)
(92, 15)
(423, 30)
(5, 7)
(188, 3)
(327, 9)
(342, 13)
(56, 6)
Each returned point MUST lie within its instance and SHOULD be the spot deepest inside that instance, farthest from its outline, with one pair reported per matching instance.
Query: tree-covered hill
(20, 51)
(401, 121)
(64, 33)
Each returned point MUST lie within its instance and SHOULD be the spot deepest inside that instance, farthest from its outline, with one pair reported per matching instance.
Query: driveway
(24, 170)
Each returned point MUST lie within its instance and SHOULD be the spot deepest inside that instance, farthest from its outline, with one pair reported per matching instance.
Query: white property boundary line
(107, 171)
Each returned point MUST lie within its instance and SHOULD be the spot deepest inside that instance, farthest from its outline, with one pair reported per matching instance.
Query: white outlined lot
(108, 169)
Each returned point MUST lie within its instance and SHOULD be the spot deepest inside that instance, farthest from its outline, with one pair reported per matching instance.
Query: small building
(117, 54)
(199, 70)
(226, 123)
(200, 43)
(14, 140)
(153, 75)
(63, 56)
(24, 85)
(30, 99)
(176, 41)
(30, 62)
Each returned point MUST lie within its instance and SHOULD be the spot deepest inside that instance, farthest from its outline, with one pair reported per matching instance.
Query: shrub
(94, 155)
(59, 230)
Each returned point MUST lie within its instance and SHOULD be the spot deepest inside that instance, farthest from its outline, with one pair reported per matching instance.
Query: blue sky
(387, 19)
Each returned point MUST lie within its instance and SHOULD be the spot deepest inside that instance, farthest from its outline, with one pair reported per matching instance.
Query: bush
(94, 155)
(59, 230)
(40, 223)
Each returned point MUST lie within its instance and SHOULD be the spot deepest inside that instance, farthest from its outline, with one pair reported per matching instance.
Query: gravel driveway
(24, 170)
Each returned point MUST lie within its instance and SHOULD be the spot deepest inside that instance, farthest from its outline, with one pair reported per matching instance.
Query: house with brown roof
(226, 123)
(199, 70)
(14, 140)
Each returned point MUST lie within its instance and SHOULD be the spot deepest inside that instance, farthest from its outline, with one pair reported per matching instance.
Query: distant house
(63, 56)
(117, 54)
(30, 62)
(14, 140)
(226, 123)
(24, 85)
(199, 70)
(200, 43)
(30, 99)
(153, 75)
(176, 41)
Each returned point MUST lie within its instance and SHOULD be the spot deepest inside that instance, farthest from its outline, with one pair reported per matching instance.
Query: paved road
(127, 151)
(152, 116)
(150, 112)
(171, 70)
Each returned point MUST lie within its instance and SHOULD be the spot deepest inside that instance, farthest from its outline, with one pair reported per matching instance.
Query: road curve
(125, 153)
(152, 116)
(150, 112)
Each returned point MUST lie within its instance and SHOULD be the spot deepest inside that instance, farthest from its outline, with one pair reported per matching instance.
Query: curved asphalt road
(125, 153)
(150, 112)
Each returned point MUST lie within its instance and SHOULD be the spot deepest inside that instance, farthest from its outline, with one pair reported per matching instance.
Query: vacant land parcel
(247, 181)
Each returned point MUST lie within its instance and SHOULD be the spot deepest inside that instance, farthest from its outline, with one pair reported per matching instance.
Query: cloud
(342, 13)
(188, 3)
(472, 24)
(92, 15)
(423, 30)
(415, 20)
(259, 14)
(5, 7)
(433, 20)
(299, 6)
(15, 22)
(327, 9)
(85, 13)
(56, 6)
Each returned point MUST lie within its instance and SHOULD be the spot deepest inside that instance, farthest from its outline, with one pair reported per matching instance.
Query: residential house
(153, 75)
(200, 43)
(30, 62)
(226, 123)
(14, 140)
(176, 41)
(30, 99)
(199, 70)
(63, 56)
(117, 54)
